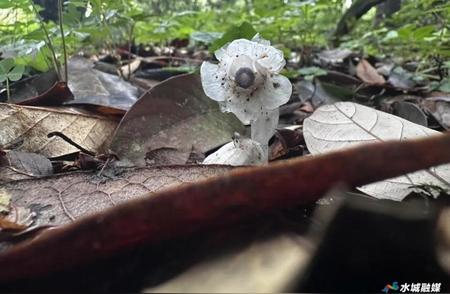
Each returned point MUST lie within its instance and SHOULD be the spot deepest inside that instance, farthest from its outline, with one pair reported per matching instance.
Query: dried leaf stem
(237, 195)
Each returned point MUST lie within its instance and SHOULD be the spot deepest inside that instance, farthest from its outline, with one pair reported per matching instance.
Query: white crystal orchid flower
(246, 81)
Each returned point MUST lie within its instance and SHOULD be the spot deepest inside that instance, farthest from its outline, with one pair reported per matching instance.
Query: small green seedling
(10, 72)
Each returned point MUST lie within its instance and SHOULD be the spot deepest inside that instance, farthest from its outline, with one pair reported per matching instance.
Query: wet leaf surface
(174, 115)
(25, 128)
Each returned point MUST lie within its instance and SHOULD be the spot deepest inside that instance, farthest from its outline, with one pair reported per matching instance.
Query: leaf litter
(157, 218)
(61, 199)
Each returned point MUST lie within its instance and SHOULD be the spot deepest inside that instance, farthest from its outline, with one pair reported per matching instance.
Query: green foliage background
(419, 31)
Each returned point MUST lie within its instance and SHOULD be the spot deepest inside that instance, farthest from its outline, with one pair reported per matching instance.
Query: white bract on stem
(247, 82)
(241, 151)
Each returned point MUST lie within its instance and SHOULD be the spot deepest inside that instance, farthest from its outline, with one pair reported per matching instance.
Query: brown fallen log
(217, 201)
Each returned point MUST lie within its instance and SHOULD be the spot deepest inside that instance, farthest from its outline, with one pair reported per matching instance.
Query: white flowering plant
(247, 82)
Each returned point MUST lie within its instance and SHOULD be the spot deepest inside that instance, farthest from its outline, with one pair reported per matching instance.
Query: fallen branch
(355, 12)
(217, 201)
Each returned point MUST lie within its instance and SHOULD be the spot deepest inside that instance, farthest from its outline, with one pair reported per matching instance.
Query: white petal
(264, 126)
(246, 107)
(247, 152)
(269, 57)
(241, 47)
(221, 53)
(214, 81)
(258, 39)
(276, 91)
(272, 60)
(222, 56)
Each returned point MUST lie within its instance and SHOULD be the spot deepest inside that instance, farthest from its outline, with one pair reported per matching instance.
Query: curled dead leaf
(368, 74)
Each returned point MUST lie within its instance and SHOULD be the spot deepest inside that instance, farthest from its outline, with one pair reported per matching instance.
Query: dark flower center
(244, 77)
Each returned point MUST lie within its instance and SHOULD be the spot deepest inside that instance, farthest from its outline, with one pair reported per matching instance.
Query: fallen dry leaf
(9, 225)
(55, 95)
(126, 70)
(443, 239)
(43, 89)
(315, 93)
(65, 198)
(16, 165)
(334, 56)
(95, 88)
(25, 128)
(174, 115)
(5, 200)
(439, 107)
(285, 141)
(266, 266)
(368, 74)
(347, 124)
(410, 111)
(238, 195)
(402, 79)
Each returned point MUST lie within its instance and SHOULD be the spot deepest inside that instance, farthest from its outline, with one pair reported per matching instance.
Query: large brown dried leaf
(26, 129)
(68, 197)
(368, 74)
(175, 115)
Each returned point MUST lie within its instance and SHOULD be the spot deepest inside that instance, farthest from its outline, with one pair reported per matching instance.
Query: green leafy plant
(10, 72)
(309, 73)
(419, 31)
(242, 31)
(444, 85)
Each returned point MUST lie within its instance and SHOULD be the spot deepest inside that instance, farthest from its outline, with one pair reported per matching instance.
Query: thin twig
(70, 141)
(130, 40)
